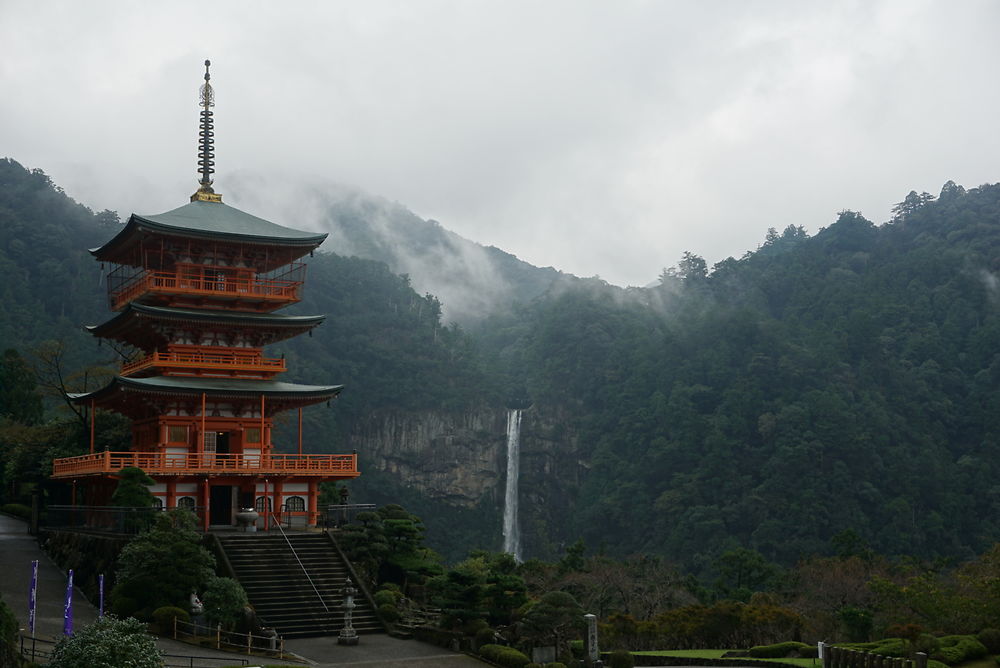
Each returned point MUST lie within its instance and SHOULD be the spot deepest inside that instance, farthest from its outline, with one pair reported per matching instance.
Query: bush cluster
(504, 656)
(621, 658)
(953, 650)
(781, 650)
(17, 510)
(990, 639)
(164, 616)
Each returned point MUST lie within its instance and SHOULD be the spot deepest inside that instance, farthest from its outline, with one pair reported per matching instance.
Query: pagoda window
(295, 504)
(186, 502)
(177, 434)
(157, 503)
(251, 435)
(262, 504)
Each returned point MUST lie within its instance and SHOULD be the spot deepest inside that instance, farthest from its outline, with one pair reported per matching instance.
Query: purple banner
(100, 596)
(33, 597)
(68, 609)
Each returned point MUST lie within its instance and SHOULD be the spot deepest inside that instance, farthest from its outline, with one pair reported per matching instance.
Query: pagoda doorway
(220, 505)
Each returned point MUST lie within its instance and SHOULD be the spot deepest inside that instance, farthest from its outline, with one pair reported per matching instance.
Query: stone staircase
(281, 593)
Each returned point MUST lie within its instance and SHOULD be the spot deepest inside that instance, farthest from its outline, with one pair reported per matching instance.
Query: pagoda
(195, 290)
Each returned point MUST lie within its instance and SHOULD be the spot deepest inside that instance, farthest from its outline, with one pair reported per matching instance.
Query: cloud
(601, 138)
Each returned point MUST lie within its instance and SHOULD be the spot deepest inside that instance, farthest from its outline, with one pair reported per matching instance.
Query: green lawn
(717, 654)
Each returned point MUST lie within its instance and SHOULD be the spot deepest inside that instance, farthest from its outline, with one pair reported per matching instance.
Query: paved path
(18, 550)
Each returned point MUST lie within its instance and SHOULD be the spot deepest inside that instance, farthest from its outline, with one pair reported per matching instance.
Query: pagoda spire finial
(206, 150)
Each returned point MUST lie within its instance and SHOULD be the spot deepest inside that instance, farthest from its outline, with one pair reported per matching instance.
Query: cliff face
(460, 460)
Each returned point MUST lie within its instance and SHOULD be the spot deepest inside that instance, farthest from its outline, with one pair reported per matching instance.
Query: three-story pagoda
(195, 290)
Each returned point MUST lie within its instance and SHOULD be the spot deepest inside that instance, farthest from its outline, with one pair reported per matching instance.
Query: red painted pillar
(267, 502)
(313, 503)
(205, 505)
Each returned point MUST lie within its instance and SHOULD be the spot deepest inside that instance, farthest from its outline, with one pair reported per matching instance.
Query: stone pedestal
(348, 636)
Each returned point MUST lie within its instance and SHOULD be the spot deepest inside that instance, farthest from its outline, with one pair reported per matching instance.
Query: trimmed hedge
(621, 658)
(384, 598)
(17, 510)
(164, 617)
(990, 639)
(504, 656)
(389, 613)
(782, 649)
(953, 650)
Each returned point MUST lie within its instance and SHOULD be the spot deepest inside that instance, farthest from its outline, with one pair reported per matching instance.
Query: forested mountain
(472, 281)
(846, 381)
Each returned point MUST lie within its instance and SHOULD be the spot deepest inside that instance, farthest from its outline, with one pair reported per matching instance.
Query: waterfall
(511, 534)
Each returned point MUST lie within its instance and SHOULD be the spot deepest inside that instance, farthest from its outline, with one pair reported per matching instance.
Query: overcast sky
(597, 137)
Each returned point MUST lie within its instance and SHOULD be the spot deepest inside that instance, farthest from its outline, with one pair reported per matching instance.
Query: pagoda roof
(116, 393)
(209, 220)
(135, 323)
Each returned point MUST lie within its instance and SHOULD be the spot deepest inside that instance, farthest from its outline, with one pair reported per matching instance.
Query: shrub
(484, 636)
(504, 656)
(225, 602)
(474, 626)
(17, 510)
(779, 650)
(107, 643)
(388, 613)
(990, 639)
(555, 664)
(953, 650)
(384, 598)
(8, 636)
(621, 658)
(532, 665)
(164, 617)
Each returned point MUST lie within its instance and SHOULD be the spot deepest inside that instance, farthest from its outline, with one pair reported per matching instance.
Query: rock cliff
(459, 461)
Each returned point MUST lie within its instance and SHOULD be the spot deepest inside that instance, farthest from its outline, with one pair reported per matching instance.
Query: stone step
(281, 593)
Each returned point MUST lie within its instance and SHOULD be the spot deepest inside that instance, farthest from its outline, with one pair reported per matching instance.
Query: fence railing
(191, 463)
(39, 650)
(842, 657)
(112, 519)
(271, 645)
(346, 513)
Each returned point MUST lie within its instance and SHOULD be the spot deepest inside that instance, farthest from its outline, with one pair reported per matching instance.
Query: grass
(717, 654)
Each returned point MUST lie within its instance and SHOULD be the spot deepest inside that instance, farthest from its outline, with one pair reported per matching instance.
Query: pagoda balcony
(206, 463)
(214, 363)
(170, 287)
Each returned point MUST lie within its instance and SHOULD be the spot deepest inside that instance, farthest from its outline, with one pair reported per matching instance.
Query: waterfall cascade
(511, 533)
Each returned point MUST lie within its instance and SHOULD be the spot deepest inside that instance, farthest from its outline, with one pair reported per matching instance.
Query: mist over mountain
(847, 381)
(472, 281)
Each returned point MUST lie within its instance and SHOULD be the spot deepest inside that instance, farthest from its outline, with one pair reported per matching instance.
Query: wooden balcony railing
(163, 463)
(228, 288)
(210, 362)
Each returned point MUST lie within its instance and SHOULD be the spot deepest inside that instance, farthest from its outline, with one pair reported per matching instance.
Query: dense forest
(844, 383)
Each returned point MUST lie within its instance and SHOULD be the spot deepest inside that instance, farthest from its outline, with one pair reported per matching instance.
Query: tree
(162, 565)
(107, 643)
(225, 602)
(19, 397)
(133, 489)
(555, 616)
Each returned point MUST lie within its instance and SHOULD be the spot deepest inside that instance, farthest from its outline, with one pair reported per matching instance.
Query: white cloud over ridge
(600, 138)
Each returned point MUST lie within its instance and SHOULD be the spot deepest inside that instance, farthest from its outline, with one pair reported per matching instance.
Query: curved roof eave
(248, 318)
(213, 220)
(212, 386)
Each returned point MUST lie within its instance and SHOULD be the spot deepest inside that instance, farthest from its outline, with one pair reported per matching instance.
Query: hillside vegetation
(847, 381)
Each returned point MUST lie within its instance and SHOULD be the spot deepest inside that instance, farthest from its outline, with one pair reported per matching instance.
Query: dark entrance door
(221, 500)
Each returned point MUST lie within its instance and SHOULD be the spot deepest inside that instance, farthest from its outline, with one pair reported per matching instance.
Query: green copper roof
(213, 220)
(213, 387)
(263, 320)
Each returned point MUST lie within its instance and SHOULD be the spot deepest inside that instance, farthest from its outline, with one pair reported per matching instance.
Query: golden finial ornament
(206, 141)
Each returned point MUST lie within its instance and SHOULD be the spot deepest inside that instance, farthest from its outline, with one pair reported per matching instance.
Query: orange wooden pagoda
(195, 289)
